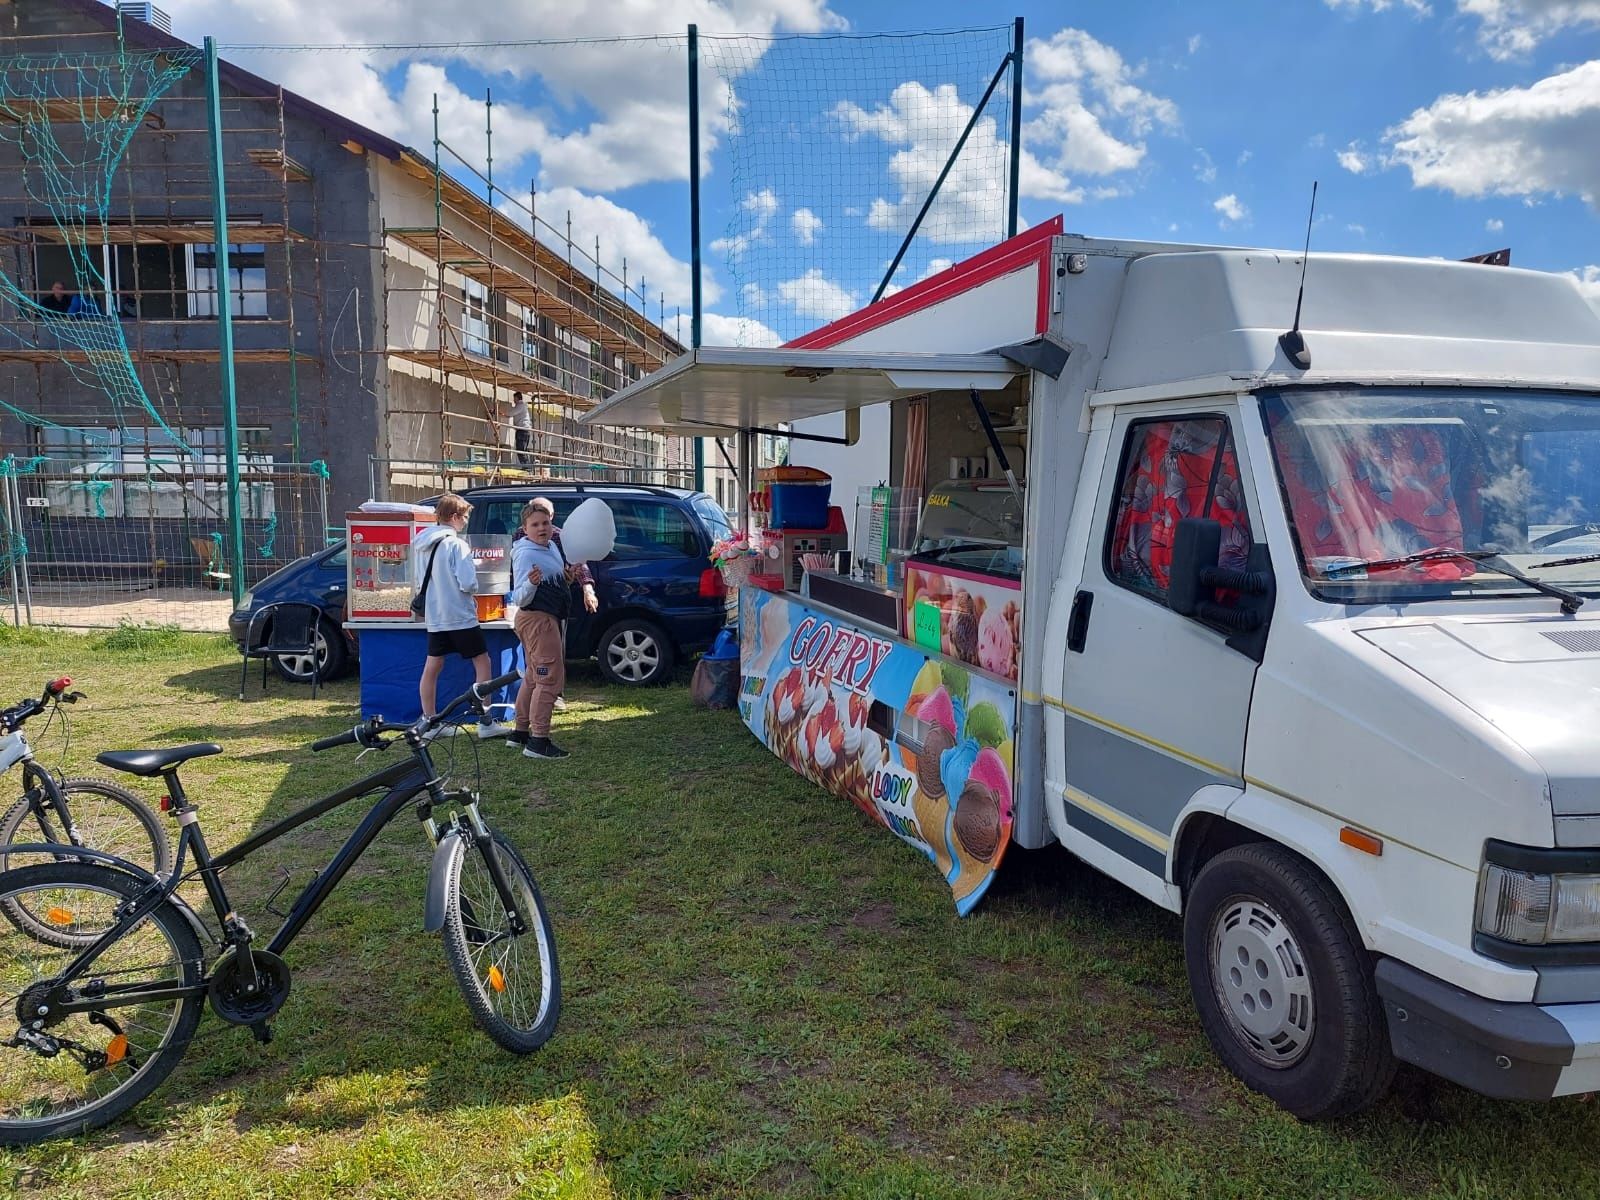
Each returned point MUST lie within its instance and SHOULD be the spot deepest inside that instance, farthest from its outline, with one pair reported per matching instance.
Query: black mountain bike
(89, 814)
(97, 1015)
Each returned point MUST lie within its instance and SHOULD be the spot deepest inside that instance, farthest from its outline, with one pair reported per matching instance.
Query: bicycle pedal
(262, 1032)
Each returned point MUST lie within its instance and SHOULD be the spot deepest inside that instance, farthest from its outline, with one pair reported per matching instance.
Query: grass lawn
(765, 995)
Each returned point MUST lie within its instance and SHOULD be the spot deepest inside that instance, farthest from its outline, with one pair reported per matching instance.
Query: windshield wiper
(1566, 562)
(1570, 601)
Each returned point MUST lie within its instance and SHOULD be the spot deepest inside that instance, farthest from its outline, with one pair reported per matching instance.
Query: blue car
(317, 579)
(661, 600)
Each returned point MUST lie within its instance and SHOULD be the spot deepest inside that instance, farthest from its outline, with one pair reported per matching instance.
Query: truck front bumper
(1504, 1049)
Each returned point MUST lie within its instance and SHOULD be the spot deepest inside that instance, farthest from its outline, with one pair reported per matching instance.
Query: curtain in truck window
(1171, 469)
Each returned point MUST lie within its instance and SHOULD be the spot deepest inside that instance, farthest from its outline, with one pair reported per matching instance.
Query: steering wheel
(1562, 535)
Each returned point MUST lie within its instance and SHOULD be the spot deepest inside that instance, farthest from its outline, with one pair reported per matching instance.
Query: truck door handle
(1078, 622)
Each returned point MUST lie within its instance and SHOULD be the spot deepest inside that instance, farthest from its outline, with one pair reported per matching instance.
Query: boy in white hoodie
(444, 560)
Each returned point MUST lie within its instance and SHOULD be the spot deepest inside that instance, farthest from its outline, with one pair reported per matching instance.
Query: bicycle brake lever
(74, 697)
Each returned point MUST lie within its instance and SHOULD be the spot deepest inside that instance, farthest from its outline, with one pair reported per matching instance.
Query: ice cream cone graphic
(980, 825)
(931, 805)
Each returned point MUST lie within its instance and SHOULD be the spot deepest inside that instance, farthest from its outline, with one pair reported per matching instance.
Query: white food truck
(1302, 635)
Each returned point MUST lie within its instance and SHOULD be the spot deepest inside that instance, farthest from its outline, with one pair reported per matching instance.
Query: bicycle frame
(403, 782)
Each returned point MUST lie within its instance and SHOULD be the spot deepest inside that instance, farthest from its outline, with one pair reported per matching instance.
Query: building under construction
(386, 305)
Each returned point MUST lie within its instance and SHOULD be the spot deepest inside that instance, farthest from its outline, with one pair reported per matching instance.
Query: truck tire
(1283, 984)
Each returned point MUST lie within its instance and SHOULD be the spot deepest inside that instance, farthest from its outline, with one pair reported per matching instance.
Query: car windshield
(1431, 493)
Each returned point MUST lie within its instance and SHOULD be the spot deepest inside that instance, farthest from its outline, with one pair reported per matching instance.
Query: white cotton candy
(589, 533)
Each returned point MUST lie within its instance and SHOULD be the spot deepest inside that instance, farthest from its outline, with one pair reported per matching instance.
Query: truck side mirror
(1194, 577)
(1196, 545)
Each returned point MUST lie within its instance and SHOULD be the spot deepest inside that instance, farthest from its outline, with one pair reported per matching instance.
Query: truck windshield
(1429, 493)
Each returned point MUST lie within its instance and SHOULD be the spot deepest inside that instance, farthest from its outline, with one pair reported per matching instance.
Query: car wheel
(1283, 985)
(332, 658)
(635, 652)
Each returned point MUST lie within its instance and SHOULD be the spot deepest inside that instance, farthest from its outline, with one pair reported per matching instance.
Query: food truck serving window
(976, 526)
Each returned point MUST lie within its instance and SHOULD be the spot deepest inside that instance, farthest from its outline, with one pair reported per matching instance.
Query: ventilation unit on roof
(148, 13)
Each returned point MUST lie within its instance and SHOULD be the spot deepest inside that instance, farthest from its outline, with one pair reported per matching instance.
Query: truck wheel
(1283, 985)
(635, 652)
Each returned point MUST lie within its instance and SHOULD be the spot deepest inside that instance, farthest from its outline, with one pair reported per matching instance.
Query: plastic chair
(293, 630)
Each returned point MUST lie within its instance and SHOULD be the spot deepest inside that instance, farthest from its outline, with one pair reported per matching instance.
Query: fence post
(27, 584)
(694, 227)
(14, 533)
(230, 413)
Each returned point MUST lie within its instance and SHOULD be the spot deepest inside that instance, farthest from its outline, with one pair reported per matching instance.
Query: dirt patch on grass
(1198, 1101)
(876, 918)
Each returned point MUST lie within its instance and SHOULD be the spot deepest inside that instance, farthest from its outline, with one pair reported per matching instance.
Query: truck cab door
(1153, 705)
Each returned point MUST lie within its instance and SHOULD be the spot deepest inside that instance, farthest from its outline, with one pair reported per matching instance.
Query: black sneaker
(542, 747)
(517, 738)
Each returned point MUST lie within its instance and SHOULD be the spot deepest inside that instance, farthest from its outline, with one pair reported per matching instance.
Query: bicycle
(83, 813)
(100, 1023)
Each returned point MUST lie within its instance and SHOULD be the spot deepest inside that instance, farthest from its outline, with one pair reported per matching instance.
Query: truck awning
(724, 387)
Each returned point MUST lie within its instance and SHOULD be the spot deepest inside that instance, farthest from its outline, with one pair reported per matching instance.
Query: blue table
(391, 667)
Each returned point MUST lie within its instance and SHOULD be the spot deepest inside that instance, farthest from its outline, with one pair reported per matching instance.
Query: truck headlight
(1534, 908)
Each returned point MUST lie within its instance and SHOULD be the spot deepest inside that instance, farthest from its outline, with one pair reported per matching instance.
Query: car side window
(647, 529)
(338, 561)
(1171, 468)
(499, 517)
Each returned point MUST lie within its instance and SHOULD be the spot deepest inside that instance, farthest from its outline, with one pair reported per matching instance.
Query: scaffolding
(517, 305)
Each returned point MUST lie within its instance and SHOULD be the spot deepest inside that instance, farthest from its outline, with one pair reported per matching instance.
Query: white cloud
(923, 124)
(1316, 141)
(718, 330)
(1418, 7)
(1082, 85)
(1206, 170)
(1195, 42)
(623, 234)
(764, 206)
(1494, 225)
(806, 225)
(1530, 142)
(1244, 157)
(1352, 159)
(1589, 284)
(1232, 211)
(815, 295)
(1513, 28)
(1358, 230)
(617, 114)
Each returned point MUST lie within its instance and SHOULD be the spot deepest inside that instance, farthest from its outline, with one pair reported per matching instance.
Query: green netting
(67, 119)
(832, 144)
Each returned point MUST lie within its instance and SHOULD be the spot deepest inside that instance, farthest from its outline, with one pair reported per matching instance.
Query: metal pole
(1016, 127)
(230, 412)
(694, 189)
(694, 228)
(11, 554)
(939, 182)
(27, 584)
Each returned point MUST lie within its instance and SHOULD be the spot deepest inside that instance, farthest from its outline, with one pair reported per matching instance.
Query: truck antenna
(1293, 344)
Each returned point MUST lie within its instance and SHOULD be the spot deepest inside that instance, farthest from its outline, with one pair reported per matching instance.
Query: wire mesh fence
(834, 144)
(90, 544)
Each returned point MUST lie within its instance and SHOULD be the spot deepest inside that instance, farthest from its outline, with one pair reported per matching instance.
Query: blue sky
(1435, 127)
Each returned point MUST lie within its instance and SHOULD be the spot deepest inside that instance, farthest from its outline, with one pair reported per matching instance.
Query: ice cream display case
(963, 581)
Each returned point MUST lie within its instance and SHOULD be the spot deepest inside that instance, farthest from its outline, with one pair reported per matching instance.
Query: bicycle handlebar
(366, 733)
(24, 710)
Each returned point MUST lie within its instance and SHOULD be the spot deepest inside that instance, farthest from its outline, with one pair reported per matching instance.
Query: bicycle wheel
(105, 817)
(512, 982)
(78, 1071)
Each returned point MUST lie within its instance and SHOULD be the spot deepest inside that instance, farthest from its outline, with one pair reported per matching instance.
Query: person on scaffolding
(522, 429)
(57, 301)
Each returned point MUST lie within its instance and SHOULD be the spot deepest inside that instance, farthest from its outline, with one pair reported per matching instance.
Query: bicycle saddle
(153, 762)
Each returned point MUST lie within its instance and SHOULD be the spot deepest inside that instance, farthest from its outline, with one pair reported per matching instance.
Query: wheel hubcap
(1262, 982)
(300, 664)
(633, 655)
